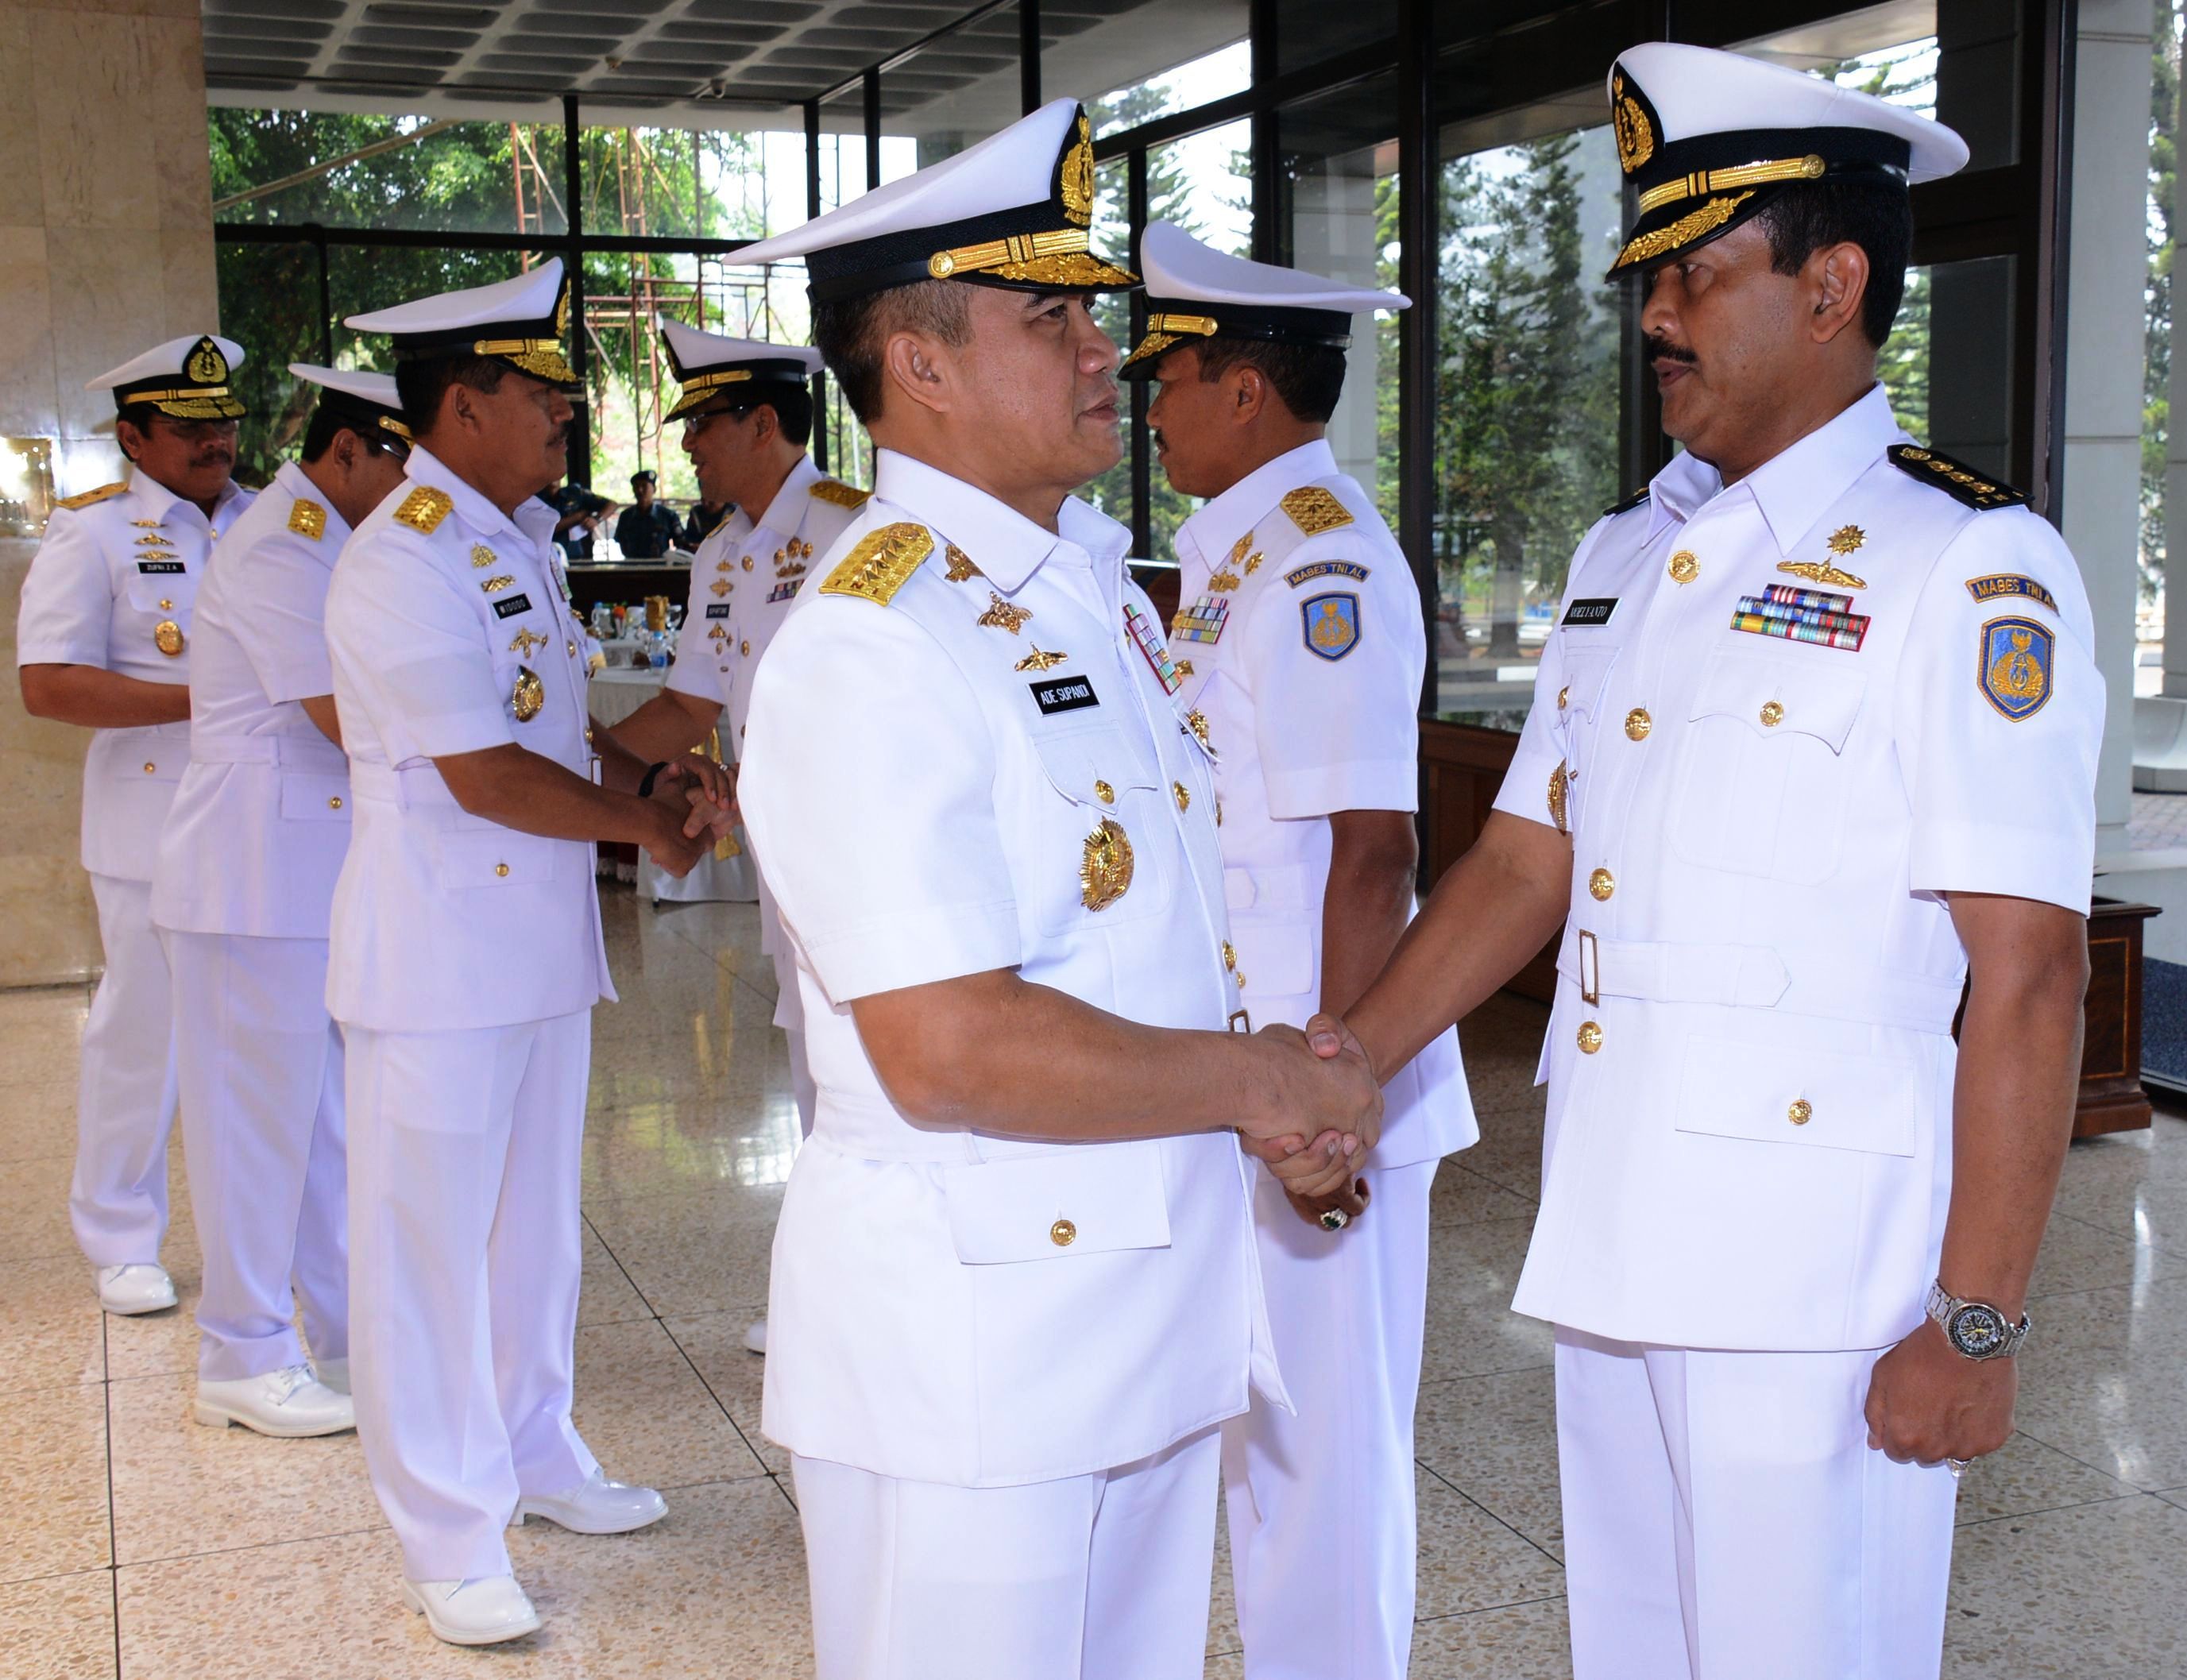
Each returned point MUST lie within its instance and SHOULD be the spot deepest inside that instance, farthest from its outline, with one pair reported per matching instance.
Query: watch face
(1977, 1331)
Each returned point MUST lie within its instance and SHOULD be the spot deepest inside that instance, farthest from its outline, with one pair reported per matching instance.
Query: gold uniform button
(1601, 884)
(334, 804)
(1772, 714)
(1183, 798)
(1637, 723)
(1684, 568)
(1063, 1234)
(500, 868)
(167, 606)
(1564, 696)
(149, 769)
(1801, 1112)
(573, 650)
(1104, 793)
(1590, 1038)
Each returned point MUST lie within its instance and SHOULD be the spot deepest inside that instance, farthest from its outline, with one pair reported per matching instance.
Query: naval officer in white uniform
(241, 895)
(1301, 621)
(103, 641)
(467, 955)
(1813, 745)
(1014, 1286)
(746, 407)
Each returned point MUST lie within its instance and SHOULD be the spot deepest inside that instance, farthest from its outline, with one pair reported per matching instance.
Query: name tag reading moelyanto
(1590, 613)
(1063, 694)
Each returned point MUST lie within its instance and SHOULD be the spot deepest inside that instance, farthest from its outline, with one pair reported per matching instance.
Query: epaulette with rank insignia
(425, 507)
(88, 497)
(306, 518)
(1314, 510)
(1955, 478)
(883, 559)
(1639, 498)
(841, 494)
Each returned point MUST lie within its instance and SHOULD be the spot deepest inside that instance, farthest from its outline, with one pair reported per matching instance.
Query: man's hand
(1928, 1403)
(709, 782)
(1351, 1200)
(1328, 1093)
(685, 826)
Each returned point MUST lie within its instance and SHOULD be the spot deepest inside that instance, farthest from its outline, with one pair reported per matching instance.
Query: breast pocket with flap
(1102, 833)
(1760, 780)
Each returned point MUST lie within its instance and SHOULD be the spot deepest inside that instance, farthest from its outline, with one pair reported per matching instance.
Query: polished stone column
(105, 248)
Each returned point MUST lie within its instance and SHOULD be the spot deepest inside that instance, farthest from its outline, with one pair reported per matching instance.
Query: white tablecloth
(615, 694)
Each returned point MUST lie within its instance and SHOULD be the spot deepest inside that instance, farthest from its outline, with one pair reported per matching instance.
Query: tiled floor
(132, 1542)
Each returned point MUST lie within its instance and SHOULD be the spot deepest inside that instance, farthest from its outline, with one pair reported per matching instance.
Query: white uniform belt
(290, 752)
(1753, 977)
(412, 784)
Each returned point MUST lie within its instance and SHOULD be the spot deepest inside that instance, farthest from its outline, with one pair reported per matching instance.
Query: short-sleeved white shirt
(115, 566)
(1301, 622)
(443, 920)
(927, 779)
(261, 821)
(744, 579)
(1755, 1152)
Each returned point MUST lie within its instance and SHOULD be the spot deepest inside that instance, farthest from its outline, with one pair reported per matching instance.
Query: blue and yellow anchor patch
(2014, 666)
(1331, 623)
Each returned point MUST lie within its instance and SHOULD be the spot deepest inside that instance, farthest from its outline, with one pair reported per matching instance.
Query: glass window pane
(1339, 185)
(1949, 365)
(343, 170)
(1310, 32)
(1526, 402)
(715, 183)
(269, 304)
(1958, 62)
(1147, 61)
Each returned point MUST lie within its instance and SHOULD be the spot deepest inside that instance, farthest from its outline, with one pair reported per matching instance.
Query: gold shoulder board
(879, 567)
(842, 495)
(425, 507)
(306, 518)
(1314, 510)
(92, 496)
(1956, 479)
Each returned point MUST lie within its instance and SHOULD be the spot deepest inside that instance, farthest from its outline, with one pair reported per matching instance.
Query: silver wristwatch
(1975, 1327)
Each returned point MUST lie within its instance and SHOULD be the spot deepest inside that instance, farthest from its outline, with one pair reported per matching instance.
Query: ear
(1247, 391)
(128, 439)
(345, 452)
(765, 425)
(460, 406)
(922, 368)
(1838, 278)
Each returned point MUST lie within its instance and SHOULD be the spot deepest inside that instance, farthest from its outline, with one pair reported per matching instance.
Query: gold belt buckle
(1239, 1021)
(1590, 969)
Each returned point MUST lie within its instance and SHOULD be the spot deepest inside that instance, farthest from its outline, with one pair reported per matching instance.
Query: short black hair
(1309, 378)
(851, 334)
(421, 384)
(793, 410)
(1877, 215)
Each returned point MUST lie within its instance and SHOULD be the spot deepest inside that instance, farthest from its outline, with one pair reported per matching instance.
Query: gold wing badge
(1847, 539)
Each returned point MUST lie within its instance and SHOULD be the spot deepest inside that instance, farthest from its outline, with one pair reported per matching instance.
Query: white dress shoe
(128, 1291)
(482, 1612)
(755, 1336)
(596, 1506)
(334, 1373)
(290, 1402)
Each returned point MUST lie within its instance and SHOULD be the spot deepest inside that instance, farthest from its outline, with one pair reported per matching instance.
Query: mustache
(1660, 348)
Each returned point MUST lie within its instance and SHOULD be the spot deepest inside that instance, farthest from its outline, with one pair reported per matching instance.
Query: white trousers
(259, 1064)
(125, 1102)
(465, 1255)
(1725, 1517)
(1093, 1577)
(1321, 1504)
